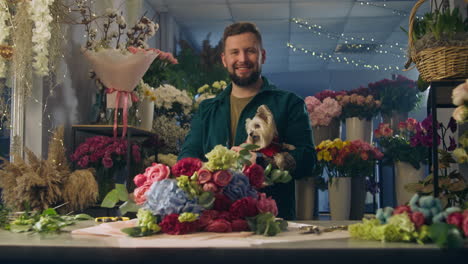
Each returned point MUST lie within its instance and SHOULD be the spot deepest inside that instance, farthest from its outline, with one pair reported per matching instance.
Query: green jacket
(211, 127)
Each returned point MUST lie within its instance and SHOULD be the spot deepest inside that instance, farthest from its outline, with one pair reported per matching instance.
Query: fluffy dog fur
(261, 131)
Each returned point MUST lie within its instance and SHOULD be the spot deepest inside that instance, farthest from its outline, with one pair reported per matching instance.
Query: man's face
(243, 58)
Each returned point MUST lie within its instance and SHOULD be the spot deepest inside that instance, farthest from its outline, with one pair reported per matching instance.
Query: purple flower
(239, 187)
(453, 145)
(83, 162)
(452, 125)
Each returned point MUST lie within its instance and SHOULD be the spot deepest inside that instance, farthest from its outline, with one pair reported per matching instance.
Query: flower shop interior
(74, 142)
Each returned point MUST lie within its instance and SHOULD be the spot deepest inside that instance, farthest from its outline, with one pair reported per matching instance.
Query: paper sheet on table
(203, 239)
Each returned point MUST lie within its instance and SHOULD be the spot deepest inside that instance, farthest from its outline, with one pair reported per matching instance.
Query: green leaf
(206, 199)
(249, 147)
(128, 206)
(83, 217)
(445, 235)
(268, 169)
(20, 228)
(276, 174)
(122, 192)
(111, 199)
(49, 211)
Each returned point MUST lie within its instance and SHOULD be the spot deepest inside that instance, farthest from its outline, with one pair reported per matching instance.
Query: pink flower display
(321, 113)
(157, 172)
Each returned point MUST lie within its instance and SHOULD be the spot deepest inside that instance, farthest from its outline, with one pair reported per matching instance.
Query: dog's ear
(264, 113)
(247, 121)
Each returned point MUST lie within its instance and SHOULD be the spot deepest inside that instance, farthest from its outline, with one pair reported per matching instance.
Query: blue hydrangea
(239, 187)
(164, 197)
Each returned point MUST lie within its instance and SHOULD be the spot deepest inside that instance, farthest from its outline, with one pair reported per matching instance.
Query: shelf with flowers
(220, 195)
(344, 161)
(108, 156)
(423, 220)
(359, 106)
(398, 97)
(407, 149)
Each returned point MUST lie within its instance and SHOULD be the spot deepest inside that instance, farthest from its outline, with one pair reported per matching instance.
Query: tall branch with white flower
(39, 12)
(4, 34)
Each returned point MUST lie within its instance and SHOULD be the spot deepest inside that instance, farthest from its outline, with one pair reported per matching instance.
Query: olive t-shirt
(237, 105)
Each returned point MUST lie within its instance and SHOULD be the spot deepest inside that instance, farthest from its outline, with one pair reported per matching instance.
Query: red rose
(256, 175)
(222, 178)
(186, 166)
(417, 218)
(140, 193)
(239, 225)
(222, 202)
(171, 225)
(204, 176)
(402, 209)
(224, 215)
(139, 180)
(456, 219)
(242, 208)
(210, 187)
(219, 226)
(267, 205)
(157, 172)
(465, 225)
(207, 217)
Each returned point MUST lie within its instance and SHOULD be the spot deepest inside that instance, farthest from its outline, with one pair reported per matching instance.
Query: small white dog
(261, 131)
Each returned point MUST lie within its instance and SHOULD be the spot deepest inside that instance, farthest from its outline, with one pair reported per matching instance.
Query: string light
(346, 60)
(317, 28)
(384, 6)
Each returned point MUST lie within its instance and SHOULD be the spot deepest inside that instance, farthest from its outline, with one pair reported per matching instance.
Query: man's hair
(240, 28)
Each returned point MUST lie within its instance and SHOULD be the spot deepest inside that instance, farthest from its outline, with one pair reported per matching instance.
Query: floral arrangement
(322, 111)
(146, 92)
(423, 220)
(359, 103)
(400, 95)
(104, 151)
(209, 91)
(221, 195)
(347, 158)
(460, 114)
(409, 144)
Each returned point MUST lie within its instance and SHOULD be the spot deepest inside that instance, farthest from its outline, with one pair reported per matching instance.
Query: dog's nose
(251, 134)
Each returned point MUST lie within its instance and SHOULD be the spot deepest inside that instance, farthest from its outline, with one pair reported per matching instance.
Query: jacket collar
(266, 86)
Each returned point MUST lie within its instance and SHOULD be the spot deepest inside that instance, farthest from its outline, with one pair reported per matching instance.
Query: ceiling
(345, 21)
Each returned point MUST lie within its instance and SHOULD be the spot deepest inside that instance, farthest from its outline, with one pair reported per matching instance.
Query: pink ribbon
(134, 99)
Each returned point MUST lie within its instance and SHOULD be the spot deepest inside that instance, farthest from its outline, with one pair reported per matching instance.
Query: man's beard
(245, 81)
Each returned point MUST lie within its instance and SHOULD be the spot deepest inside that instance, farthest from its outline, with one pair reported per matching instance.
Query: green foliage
(114, 196)
(446, 235)
(266, 224)
(147, 225)
(273, 176)
(399, 149)
(441, 24)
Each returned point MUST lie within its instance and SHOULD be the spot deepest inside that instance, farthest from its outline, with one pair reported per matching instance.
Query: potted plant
(438, 43)
(343, 161)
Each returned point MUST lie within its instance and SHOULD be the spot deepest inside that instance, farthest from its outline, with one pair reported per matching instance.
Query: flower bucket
(305, 199)
(339, 195)
(330, 132)
(358, 129)
(146, 113)
(394, 119)
(405, 173)
(358, 197)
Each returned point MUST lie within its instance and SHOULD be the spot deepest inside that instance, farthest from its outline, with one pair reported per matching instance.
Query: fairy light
(345, 60)
(384, 6)
(314, 28)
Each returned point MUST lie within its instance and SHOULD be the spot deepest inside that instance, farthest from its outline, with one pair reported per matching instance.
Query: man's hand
(253, 155)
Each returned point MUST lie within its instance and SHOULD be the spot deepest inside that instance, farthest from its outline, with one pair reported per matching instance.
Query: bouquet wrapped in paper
(120, 71)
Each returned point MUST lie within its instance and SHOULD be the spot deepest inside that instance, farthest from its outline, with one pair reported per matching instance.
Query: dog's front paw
(284, 161)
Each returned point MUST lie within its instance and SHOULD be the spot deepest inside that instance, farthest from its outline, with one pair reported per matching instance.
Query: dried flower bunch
(47, 183)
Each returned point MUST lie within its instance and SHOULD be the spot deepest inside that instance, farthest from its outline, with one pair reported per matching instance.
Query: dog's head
(261, 129)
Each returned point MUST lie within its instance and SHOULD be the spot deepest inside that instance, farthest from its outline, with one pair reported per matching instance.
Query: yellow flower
(152, 98)
(216, 85)
(223, 84)
(203, 88)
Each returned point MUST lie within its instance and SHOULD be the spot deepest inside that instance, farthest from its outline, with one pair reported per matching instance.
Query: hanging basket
(440, 62)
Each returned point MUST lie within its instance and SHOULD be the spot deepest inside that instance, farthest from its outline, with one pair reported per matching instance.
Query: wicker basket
(437, 63)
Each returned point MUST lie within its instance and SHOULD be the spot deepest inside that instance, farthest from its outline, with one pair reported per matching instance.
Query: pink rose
(139, 180)
(204, 176)
(157, 172)
(418, 219)
(465, 223)
(267, 205)
(210, 187)
(140, 193)
(455, 219)
(402, 209)
(256, 175)
(222, 178)
(219, 226)
(107, 162)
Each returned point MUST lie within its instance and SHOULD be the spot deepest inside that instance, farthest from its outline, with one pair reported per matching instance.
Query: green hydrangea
(188, 217)
(364, 230)
(221, 158)
(189, 185)
(147, 221)
(403, 222)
